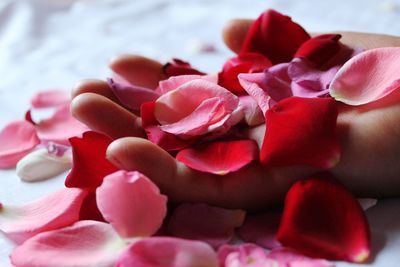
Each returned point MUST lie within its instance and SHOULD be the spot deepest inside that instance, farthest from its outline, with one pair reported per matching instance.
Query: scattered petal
(86, 243)
(221, 157)
(177, 67)
(54, 211)
(253, 84)
(167, 251)
(17, 139)
(367, 77)
(367, 203)
(89, 209)
(137, 207)
(322, 219)
(210, 224)
(288, 257)
(245, 255)
(51, 98)
(174, 82)
(90, 165)
(253, 115)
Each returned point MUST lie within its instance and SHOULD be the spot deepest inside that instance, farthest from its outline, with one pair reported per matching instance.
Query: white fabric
(55, 43)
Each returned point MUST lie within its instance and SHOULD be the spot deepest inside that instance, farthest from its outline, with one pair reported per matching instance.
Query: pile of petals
(283, 81)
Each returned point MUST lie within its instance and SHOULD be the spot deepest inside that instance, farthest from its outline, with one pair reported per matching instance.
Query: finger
(103, 115)
(253, 187)
(138, 70)
(94, 86)
(235, 32)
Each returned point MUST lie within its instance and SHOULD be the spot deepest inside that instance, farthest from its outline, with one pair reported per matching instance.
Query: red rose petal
(322, 219)
(89, 209)
(275, 36)
(220, 157)
(301, 131)
(90, 165)
(178, 67)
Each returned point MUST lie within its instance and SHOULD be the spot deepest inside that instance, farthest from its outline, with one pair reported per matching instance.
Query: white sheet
(55, 43)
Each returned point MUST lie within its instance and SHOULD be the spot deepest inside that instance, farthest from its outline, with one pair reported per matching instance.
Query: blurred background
(52, 44)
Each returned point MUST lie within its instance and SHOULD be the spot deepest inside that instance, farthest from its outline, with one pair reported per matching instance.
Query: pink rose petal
(245, 255)
(252, 83)
(175, 81)
(86, 243)
(17, 139)
(131, 203)
(288, 257)
(253, 115)
(220, 157)
(210, 224)
(54, 211)
(50, 98)
(168, 252)
(367, 77)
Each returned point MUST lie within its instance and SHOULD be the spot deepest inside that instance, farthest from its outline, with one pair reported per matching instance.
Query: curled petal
(90, 165)
(174, 82)
(40, 165)
(86, 243)
(275, 36)
(288, 257)
(166, 251)
(253, 115)
(51, 98)
(322, 219)
(131, 203)
(17, 139)
(177, 67)
(220, 157)
(367, 77)
(54, 211)
(245, 255)
(213, 225)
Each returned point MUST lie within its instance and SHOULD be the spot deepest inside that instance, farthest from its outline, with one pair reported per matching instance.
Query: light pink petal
(84, 244)
(17, 139)
(252, 113)
(367, 77)
(245, 255)
(51, 98)
(168, 252)
(210, 224)
(288, 257)
(54, 211)
(131, 203)
(252, 83)
(175, 81)
(60, 127)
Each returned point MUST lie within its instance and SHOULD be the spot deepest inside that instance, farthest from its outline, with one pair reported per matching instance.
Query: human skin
(369, 135)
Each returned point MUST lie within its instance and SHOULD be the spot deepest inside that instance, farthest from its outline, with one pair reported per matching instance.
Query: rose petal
(17, 139)
(367, 203)
(288, 257)
(137, 207)
(174, 82)
(253, 115)
(50, 98)
(367, 77)
(90, 165)
(40, 165)
(220, 157)
(60, 127)
(89, 209)
(56, 210)
(86, 243)
(322, 219)
(177, 67)
(210, 224)
(244, 255)
(253, 84)
(166, 251)
(301, 131)
(261, 229)
(275, 36)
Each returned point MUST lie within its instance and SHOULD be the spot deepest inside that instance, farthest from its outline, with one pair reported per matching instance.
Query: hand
(370, 138)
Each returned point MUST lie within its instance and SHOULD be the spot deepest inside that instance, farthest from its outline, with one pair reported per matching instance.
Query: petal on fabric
(243, 63)
(275, 36)
(60, 127)
(41, 165)
(322, 219)
(174, 82)
(253, 115)
(289, 257)
(249, 255)
(209, 224)
(301, 131)
(50, 98)
(51, 212)
(132, 203)
(17, 139)
(320, 49)
(221, 157)
(86, 243)
(131, 96)
(167, 251)
(367, 77)
(90, 165)
(177, 67)
(261, 229)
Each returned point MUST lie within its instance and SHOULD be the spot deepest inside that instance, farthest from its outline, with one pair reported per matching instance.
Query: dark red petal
(219, 157)
(322, 219)
(275, 36)
(178, 67)
(243, 63)
(89, 209)
(301, 131)
(89, 160)
(320, 49)
(165, 140)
